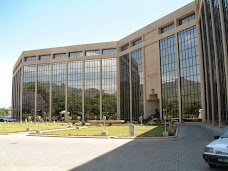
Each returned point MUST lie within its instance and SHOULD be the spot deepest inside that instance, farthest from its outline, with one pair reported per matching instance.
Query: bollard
(131, 130)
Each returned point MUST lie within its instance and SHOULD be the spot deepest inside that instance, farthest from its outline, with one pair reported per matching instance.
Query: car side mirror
(216, 137)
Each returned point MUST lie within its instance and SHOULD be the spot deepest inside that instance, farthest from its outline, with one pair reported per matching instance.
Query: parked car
(3, 119)
(216, 153)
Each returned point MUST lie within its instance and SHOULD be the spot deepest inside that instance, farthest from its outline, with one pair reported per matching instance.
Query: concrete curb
(105, 137)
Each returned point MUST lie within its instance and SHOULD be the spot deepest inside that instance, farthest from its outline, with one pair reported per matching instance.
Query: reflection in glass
(190, 73)
(137, 83)
(28, 97)
(43, 90)
(92, 89)
(109, 51)
(213, 64)
(16, 94)
(207, 82)
(187, 19)
(30, 58)
(92, 52)
(109, 107)
(58, 89)
(221, 63)
(75, 54)
(167, 28)
(59, 56)
(124, 88)
(74, 98)
(44, 57)
(169, 79)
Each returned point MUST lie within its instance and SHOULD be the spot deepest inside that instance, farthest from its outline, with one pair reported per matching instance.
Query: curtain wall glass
(92, 89)
(169, 77)
(109, 101)
(74, 97)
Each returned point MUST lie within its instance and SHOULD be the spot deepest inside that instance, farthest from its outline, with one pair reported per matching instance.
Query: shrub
(83, 123)
(110, 124)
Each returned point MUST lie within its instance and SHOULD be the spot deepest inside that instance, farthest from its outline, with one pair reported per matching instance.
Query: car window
(225, 134)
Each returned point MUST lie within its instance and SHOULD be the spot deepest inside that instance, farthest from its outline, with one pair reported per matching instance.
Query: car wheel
(212, 165)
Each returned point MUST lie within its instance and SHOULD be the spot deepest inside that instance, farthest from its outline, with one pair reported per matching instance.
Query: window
(92, 52)
(136, 42)
(44, 57)
(124, 47)
(60, 55)
(109, 51)
(75, 54)
(30, 58)
(187, 19)
(167, 28)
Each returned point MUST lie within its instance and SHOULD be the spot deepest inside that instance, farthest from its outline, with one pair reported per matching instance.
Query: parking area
(21, 152)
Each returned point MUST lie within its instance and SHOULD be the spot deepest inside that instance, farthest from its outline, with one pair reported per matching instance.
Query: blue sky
(36, 24)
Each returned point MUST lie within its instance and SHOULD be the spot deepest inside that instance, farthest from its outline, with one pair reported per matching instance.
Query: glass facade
(124, 88)
(59, 56)
(167, 28)
(92, 52)
(109, 94)
(75, 54)
(92, 89)
(187, 19)
(44, 57)
(213, 64)
(220, 56)
(74, 97)
(137, 68)
(169, 77)
(109, 51)
(136, 42)
(125, 47)
(206, 68)
(28, 95)
(16, 95)
(30, 58)
(189, 72)
(43, 90)
(58, 89)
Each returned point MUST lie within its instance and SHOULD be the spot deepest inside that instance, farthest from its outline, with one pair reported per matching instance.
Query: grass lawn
(21, 127)
(121, 131)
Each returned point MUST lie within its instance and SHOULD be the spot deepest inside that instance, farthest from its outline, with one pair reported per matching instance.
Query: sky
(36, 24)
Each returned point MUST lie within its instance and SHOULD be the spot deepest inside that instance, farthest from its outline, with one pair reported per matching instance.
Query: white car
(216, 153)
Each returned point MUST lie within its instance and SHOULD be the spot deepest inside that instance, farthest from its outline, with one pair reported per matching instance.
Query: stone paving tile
(183, 153)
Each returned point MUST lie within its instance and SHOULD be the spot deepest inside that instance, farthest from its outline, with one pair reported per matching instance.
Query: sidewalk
(216, 128)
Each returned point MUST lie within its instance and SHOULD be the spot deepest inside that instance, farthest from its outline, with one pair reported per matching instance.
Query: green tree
(3, 112)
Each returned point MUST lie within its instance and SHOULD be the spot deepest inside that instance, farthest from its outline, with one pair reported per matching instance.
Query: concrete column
(35, 109)
(50, 95)
(206, 80)
(83, 91)
(217, 64)
(101, 89)
(66, 87)
(21, 91)
(210, 66)
(203, 98)
(179, 77)
(160, 74)
(224, 44)
(118, 81)
(130, 74)
(144, 82)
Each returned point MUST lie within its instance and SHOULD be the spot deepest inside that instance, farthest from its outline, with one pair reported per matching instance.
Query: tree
(3, 112)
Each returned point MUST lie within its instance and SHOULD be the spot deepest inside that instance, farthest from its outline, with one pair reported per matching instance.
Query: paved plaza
(184, 153)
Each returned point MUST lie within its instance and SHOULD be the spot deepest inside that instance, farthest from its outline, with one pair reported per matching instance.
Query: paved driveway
(20, 152)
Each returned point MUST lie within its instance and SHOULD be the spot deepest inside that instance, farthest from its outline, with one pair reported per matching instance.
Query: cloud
(6, 70)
